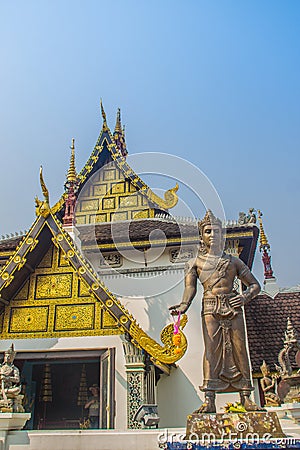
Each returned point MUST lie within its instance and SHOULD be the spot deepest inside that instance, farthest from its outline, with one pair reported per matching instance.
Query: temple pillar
(135, 370)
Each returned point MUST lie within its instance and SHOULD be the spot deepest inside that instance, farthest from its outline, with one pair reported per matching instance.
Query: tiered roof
(109, 154)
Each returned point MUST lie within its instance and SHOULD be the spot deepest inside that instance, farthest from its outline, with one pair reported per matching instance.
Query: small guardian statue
(268, 385)
(10, 398)
(244, 218)
(289, 371)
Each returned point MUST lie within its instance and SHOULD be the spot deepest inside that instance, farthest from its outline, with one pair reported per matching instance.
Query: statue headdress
(264, 367)
(209, 219)
(11, 351)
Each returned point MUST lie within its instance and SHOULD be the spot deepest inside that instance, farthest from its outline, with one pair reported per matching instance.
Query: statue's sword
(3, 391)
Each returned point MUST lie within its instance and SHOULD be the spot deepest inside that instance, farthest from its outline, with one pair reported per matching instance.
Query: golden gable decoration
(73, 302)
(55, 302)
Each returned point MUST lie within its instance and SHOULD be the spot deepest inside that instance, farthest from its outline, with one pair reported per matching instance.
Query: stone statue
(289, 386)
(10, 398)
(226, 362)
(251, 218)
(244, 218)
(268, 386)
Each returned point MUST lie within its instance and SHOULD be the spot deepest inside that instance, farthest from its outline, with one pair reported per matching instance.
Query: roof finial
(104, 126)
(264, 247)
(42, 208)
(118, 127)
(263, 240)
(119, 135)
(71, 187)
(72, 176)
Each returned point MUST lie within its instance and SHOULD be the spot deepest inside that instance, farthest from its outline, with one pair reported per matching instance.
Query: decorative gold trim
(170, 198)
(27, 241)
(56, 334)
(124, 320)
(8, 253)
(182, 240)
(59, 204)
(143, 243)
(164, 354)
(239, 234)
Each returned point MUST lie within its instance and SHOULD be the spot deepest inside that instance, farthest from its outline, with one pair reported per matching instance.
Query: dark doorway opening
(56, 388)
(63, 411)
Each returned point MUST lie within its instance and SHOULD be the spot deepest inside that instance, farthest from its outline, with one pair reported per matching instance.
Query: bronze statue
(10, 398)
(226, 362)
(268, 386)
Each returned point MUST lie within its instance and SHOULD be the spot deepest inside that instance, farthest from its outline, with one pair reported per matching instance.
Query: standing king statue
(226, 365)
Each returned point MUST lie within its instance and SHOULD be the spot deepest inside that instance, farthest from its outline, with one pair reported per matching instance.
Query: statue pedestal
(13, 421)
(233, 426)
(279, 410)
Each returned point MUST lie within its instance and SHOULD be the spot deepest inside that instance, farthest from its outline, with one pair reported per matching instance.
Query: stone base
(233, 425)
(13, 421)
(279, 410)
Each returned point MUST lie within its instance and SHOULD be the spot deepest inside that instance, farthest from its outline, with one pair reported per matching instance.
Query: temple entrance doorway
(57, 386)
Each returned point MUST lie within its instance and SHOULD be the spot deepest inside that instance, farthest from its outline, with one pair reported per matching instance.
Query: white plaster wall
(84, 343)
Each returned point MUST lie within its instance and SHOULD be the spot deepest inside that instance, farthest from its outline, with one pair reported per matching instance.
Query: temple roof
(29, 253)
(157, 231)
(106, 150)
(10, 243)
(266, 324)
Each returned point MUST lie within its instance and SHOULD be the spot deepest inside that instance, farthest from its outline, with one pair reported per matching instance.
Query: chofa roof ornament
(42, 207)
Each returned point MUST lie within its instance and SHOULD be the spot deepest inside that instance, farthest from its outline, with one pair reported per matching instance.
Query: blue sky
(214, 82)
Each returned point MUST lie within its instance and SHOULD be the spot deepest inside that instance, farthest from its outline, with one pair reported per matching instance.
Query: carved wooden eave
(30, 252)
(138, 233)
(106, 148)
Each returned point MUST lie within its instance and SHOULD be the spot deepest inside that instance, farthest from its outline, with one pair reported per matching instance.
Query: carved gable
(54, 302)
(109, 196)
